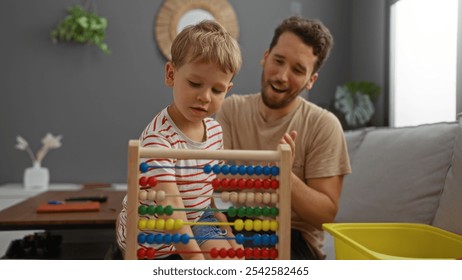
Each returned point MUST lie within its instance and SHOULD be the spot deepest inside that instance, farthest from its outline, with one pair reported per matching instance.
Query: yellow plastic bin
(393, 241)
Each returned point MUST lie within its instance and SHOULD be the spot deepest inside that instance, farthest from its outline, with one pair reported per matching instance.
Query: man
(278, 114)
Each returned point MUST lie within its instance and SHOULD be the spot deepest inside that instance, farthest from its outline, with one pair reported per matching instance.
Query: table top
(24, 214)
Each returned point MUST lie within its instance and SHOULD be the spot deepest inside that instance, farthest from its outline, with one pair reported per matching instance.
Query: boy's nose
(204, 96)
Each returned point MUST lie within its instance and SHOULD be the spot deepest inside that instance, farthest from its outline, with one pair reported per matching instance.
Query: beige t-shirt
(320, 149)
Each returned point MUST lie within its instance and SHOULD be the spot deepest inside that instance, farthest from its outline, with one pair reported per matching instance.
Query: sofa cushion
(354, 138)
(398, 174)
(448, 214)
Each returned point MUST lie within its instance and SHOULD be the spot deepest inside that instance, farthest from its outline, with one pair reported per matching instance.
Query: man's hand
(289, 138)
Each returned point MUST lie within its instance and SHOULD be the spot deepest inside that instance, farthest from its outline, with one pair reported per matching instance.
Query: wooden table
(24, 215)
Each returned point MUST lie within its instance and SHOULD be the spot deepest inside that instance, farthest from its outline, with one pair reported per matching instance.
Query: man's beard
(289, 97)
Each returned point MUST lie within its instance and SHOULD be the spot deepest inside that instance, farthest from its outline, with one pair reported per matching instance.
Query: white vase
(36, 178)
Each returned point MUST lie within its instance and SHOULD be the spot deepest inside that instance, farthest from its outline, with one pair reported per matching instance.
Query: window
(423, 53)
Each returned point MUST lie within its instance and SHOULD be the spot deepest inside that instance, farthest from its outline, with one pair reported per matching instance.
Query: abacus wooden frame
(282, 155)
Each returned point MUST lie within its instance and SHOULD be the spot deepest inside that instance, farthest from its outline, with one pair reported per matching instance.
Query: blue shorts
(207, 231)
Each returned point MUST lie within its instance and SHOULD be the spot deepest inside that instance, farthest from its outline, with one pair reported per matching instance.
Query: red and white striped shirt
(191, 180)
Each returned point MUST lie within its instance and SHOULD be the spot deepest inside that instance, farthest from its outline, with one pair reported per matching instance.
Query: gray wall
(99, 102)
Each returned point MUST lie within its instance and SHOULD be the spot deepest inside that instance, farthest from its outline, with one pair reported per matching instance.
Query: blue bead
(250, 170)
(265, 240)
(176, 238)
(257, 239)
(207, 168)
(167, 238)
(239, 238)
(275, 170)
(216, 169)
(184, 238)
(258, 170)
(144, 167)
(150, 238)
(225, 169)
(233, 169)
(241, 169)
(141, 238)
(266, 170)
(158, 238)
(274, 239)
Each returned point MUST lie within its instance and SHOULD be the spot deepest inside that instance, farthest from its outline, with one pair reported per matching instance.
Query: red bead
(214, 253)
(264, 253)
(258, 183)
(249, 183)
(141, 253)
(216, 183)
(273, 254)
(224, 183)
(266, 184)
(248, 253)
(143, 181)
(231, 253)
(256, 253)
(152, 181)
(150, 253)
(241, 183)
(223, 253)
(233, 183)
(274, 184)
(240, 253)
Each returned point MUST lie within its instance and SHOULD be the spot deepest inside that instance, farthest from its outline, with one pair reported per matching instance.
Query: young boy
(205, 58)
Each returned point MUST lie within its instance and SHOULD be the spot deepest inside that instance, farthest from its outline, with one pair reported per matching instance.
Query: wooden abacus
(282, 157)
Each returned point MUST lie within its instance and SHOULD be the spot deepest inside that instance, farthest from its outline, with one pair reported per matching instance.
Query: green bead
(160, 209)
(266, 211)
(168, 210)
(249, 211)
(241, 212)
(152, 209)
(257, 211)
(142, 209)
(274, 211)
(232, 211)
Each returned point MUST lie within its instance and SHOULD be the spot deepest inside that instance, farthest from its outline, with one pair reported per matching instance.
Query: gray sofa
(410, 174)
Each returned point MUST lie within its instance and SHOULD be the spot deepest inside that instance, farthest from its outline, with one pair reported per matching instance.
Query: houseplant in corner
(354, 100)
(82, 26)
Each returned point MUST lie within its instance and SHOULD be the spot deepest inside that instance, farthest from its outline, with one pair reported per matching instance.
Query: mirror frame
(171, 11)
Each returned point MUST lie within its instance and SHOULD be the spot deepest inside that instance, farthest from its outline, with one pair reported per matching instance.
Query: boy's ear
(230, 85)
(169, 74)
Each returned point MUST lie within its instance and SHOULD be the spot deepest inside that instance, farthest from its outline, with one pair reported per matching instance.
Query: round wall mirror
(174, 15)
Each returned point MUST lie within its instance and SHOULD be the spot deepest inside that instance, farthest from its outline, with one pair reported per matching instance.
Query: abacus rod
(249, 155)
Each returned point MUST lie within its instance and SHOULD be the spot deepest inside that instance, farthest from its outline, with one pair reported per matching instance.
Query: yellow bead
(238, 224)
(257, 225)
(265, 225)
(248, 225)
(178, 224)
(142, 224)
(170, 224)
(151, 224)
(274, 225)
(160, 224)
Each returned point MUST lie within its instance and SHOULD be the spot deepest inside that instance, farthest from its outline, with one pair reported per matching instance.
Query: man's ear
(311, 81)
(265, 56)
(169, 74)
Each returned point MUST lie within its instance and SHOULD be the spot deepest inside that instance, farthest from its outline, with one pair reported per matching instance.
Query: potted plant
(354, 100)
(82, 26)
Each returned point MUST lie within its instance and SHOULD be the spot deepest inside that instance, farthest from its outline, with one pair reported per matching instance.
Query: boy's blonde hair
(207, 42)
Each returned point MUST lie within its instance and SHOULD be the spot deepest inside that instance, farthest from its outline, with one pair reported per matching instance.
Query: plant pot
(36, 178)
